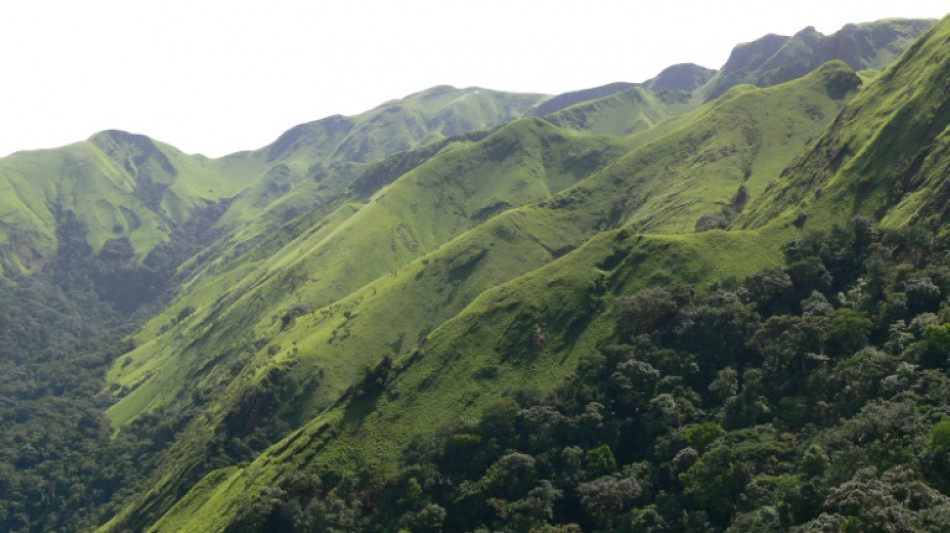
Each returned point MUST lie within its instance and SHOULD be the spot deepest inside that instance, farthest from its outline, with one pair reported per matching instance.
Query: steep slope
(286, 318)
(882, 157)
(776, 59)
(453, 378)
(623, 113)
(568, 99)
(713, 160)
(317, 159)
(125, 186)
(530, 331)
(312, 166)
(413, 216)
(768, 61)
(425, 208)
(319, 348)
(419, 118)
(117, 184)
(373, 276)
(624, 108)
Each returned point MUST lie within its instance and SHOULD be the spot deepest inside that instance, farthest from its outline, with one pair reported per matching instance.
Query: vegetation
(775, 59)
(62, 468)
(683, 305)
(801, 397)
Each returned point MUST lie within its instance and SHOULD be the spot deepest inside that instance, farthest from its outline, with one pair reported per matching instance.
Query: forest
(807, 398)
(62, 467)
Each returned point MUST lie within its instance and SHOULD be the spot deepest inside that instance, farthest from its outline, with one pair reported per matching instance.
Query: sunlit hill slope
(330, 300)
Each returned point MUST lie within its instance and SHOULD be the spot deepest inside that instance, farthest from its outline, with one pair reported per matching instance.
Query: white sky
(214, 77)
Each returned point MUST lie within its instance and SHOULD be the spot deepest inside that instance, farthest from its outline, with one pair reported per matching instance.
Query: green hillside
(777, 58)
(419, 212)
(883, 163)
(623, 113)
(682, 77)
(126, 186)
(532, 330)
(117, 184)
(281, 281)
(298, 328)
(619, 110)
(713, 301)
(313, 162)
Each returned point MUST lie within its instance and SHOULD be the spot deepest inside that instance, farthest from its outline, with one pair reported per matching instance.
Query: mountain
(145, 190)
(777, 58)
(117, 185)
(682, 77)
(392, 316)
(880, 158)
(623, 113)
(473, 309)
(561, 101)
(620, 110)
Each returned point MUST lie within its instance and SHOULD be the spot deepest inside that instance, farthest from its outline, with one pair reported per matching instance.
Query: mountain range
(332, 301)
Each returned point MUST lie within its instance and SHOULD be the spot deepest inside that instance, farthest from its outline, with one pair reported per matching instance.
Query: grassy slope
(561, 101)
(119, 185)
(695, 164)
(314, 162)
(455, 377)
(124, 185)
(397, 309)
(663, 187)
(680, 77)
(882, 157)
(525, 160)
(776, 59)
(623, 113)
(506, 319)
(622, 109)
(425, 208)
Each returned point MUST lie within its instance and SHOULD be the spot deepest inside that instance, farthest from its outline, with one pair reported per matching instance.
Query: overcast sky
(216, 77)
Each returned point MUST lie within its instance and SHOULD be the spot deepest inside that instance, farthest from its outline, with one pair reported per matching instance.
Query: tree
(632, 385)
(940, 436)
(599, 461)
(535, 510)
(643, 312)
(606, 498)
(936, 345)
(716, 480)
(785, 342)
(848, 331)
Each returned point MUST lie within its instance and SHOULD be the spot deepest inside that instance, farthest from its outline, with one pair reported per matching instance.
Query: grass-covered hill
(350, 328)
(778, 58)
(508, 303)
(771, 60)
(882, 157)
(125, 186)
(116, 184)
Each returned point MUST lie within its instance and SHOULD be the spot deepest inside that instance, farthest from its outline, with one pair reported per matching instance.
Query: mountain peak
(568, 99)
(751, 55)
(775, 59)
(681, 77)
(132, 150)
(119, 136)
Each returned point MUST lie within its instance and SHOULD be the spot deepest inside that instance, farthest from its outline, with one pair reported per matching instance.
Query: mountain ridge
(320, 304)
(353, 325)
(775, 58)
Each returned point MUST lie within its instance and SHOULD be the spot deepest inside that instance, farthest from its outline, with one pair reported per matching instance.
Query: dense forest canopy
(61, 466)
